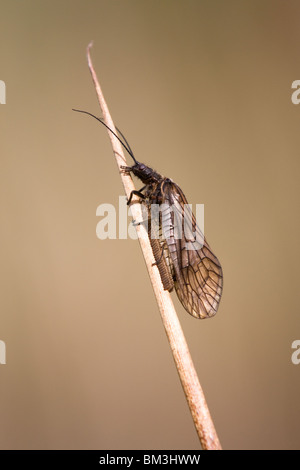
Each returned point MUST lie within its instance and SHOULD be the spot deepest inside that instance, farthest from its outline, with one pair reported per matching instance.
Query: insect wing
(198, 273)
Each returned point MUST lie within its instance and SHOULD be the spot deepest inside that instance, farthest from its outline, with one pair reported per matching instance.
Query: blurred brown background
(202, 90)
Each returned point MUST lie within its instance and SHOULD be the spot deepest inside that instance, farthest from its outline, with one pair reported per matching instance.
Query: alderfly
(183, 257)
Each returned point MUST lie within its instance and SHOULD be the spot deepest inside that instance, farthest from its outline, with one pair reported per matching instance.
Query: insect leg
(137, 193)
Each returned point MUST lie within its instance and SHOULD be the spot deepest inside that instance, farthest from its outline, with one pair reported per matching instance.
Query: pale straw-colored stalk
(183, 361)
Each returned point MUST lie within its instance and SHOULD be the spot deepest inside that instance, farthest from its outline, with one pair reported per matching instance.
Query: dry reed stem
(184, 364)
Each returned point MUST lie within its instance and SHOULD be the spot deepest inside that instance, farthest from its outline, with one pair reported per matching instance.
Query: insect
(183, 262)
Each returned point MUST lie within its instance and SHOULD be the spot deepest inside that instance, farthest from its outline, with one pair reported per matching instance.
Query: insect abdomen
(160, 262)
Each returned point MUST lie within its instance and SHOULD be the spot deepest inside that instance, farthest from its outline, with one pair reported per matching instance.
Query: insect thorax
(146, 174)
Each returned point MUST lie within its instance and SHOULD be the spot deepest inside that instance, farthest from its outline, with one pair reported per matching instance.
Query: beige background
(202, 91)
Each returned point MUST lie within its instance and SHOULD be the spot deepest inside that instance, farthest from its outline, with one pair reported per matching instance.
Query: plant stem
(184, 364)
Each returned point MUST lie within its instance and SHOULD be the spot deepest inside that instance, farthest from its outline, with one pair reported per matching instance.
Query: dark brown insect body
(183, 263)
(194, 271)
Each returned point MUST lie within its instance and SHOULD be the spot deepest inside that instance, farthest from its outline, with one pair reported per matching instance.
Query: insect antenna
(126, 142)
(125, 145)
